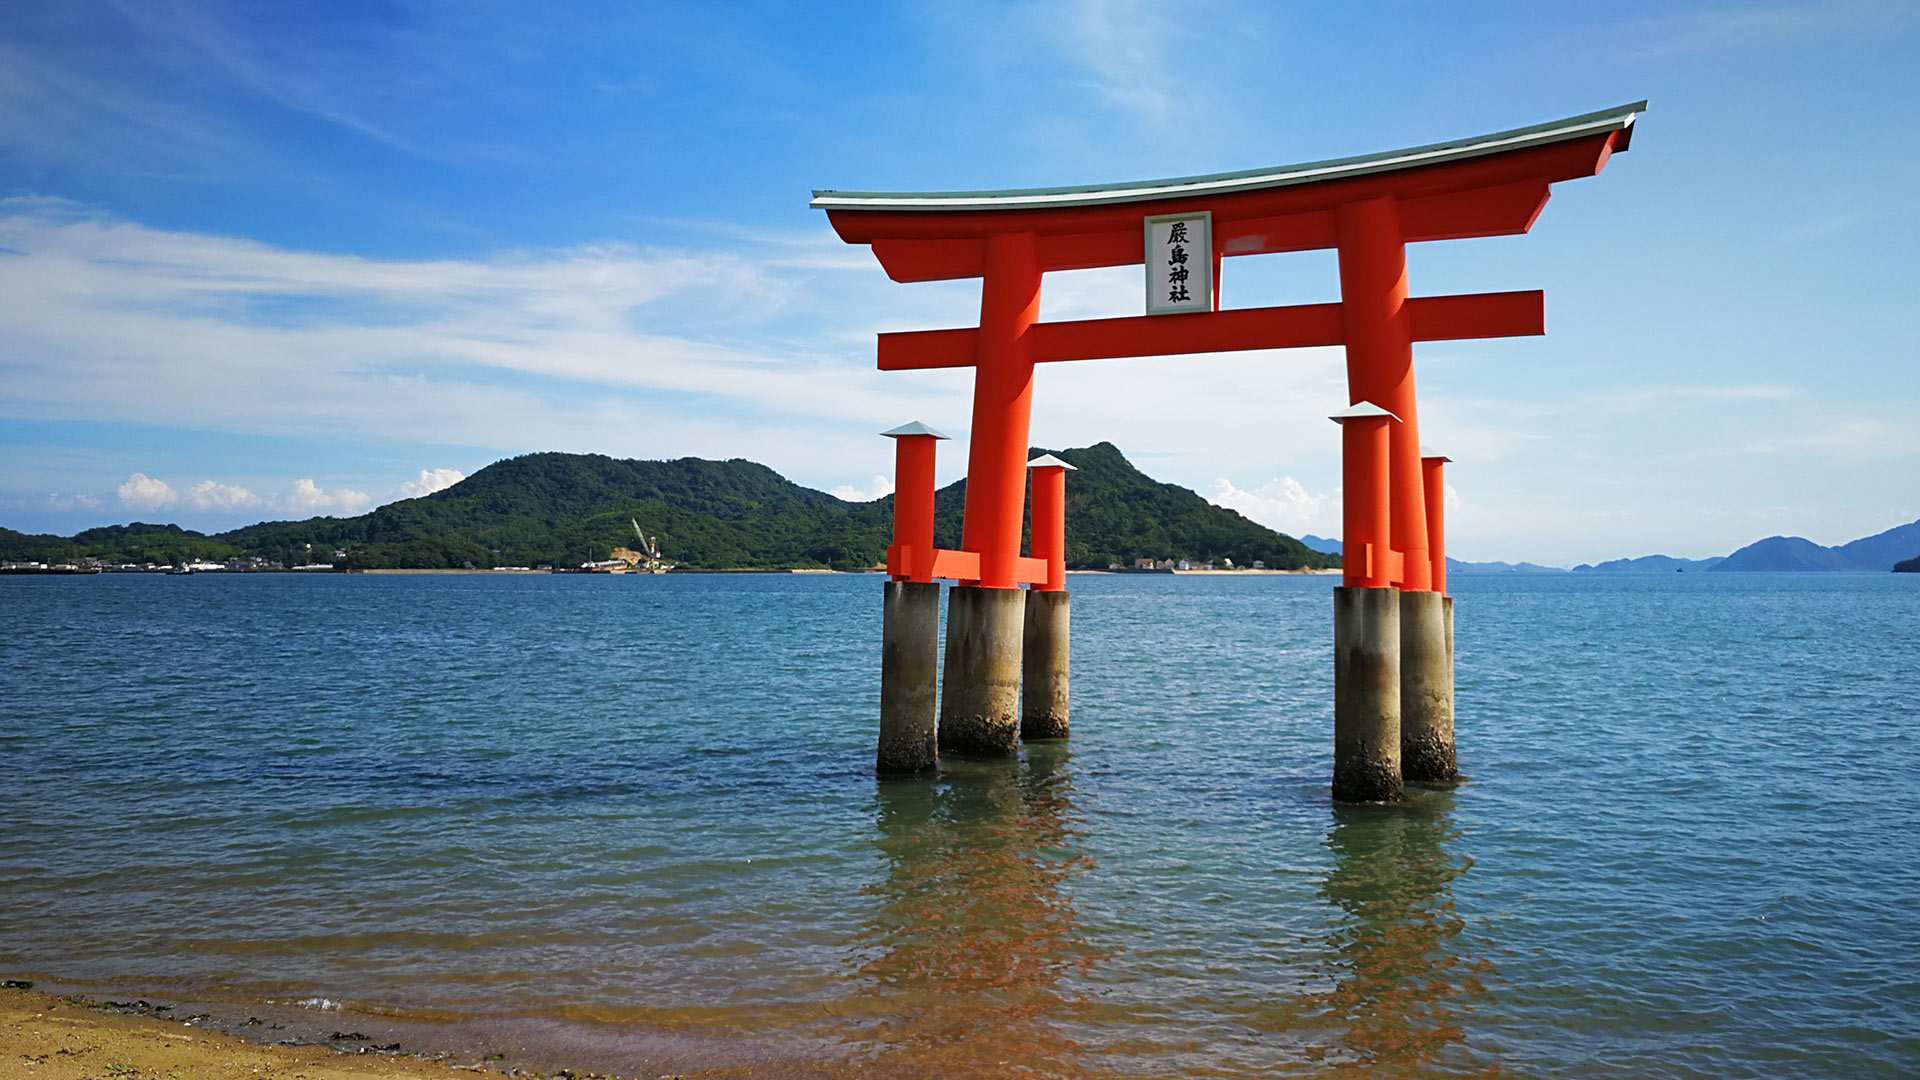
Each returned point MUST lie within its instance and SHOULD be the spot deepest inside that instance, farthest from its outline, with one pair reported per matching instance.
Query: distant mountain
(1786, 553)
(1881, 550)
(1907, 566)
(1645, 563)
(1455, 566)
(565, 509)
(1116, 513)
(1877, 552)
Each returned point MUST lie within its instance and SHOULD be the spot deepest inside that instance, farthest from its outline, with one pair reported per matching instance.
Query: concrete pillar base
(909, 678)
(1043, 666)
(1366, 695)
(980, 688)
(1426, 689)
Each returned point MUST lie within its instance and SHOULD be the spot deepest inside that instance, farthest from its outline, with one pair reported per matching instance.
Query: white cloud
(610, 349)
(306, 499)
(143, 491)
(431, 480)
(215, 333)
(877, 488)
(1282, 504)
(212, 495)
(57, 501)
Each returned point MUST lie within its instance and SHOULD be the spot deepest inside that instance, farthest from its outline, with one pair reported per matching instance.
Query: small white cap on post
(1428, 453)
(914, 428)
(1049, 461)
(1365, 410)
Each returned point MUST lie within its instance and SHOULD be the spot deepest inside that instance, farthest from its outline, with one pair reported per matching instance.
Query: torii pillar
(1426, 649)
(910, 613)
(1044, 666)
(1366, 616)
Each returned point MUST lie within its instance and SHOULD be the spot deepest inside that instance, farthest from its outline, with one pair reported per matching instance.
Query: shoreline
(84, 1031)
(80, 1037)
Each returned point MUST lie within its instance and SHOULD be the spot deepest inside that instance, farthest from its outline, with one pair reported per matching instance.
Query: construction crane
(650, 547)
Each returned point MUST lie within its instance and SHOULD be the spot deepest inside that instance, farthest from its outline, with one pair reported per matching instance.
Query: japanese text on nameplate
(1179, 263)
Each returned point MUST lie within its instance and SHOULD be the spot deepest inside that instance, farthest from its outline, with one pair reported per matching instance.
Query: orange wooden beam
(1478, 315)
(1434, 318)
(1035, 571)
(956, 565)
(1167, 335)
(1501, 210)
(1504, 210)
(912, 350)
(931, 260)
(1140, 335)
(960, 565)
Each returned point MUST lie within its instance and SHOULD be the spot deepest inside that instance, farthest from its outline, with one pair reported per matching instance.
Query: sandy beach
(57, 1037)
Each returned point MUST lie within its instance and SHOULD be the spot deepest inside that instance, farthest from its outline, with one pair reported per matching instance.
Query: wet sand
(53, 1037)
(64, 1036)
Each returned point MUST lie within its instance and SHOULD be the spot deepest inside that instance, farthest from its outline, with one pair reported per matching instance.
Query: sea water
(638, 814)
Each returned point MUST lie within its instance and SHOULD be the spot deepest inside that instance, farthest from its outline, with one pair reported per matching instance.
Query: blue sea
(630, 824)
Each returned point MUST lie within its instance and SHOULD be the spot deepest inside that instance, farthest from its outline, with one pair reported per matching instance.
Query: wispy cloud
(329, 80)
(61, 503)
(1737, 26)
(53, 111)
(114, 320)
(758, 351)
(1128, 65)
(1128, 51)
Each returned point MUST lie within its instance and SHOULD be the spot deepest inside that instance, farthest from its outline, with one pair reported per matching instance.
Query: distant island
(1649, 563)
(1880, 552)
(563, 510)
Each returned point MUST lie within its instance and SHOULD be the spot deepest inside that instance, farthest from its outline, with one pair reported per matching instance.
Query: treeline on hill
(1907, 566)
(566, 509)
(139, 542)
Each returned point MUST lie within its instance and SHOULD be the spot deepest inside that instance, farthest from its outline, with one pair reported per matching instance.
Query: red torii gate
(1367, 208)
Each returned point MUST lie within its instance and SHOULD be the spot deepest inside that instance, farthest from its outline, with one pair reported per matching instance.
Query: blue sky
(263, 259)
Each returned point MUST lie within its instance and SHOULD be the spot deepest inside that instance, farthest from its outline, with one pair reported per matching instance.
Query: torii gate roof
(1488, 185)
(1573, 127)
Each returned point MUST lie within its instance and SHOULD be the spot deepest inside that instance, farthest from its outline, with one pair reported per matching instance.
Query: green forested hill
(136, 542)
(566, 509)
(1115, 512)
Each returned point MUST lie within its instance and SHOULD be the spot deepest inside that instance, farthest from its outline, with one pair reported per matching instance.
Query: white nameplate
(1180, 263)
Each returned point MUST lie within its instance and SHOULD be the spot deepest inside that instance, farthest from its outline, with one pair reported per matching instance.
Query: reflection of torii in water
(1400, 974)
(965, 956)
